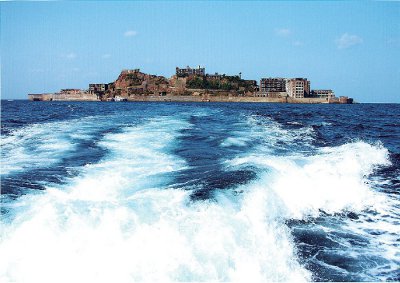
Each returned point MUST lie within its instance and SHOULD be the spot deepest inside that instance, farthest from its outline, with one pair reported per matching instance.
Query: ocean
(125, 192)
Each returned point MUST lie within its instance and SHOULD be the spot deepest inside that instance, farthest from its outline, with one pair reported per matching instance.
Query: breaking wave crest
(332, 181)
(317, 186)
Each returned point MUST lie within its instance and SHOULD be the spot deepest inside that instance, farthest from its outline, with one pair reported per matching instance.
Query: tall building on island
(282, 87)
(298, 87)
(185, 72)
(269, 85)
(273, 87)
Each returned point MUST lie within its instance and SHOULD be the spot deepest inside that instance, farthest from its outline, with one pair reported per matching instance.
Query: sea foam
(40, 145)
(117, 222)
(311, 183)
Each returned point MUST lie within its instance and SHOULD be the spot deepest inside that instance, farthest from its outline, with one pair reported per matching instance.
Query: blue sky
(350, 47)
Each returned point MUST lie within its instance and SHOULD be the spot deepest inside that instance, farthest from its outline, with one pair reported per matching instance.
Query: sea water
(125, 192)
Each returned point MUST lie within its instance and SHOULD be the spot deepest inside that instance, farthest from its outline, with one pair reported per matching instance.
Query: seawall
(63, 97)
(180, 98)
(177, 98)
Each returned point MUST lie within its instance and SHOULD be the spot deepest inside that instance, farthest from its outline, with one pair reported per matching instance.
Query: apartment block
(298, 87)
(269, 85)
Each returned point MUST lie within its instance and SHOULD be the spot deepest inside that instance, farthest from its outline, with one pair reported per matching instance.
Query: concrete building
(130, 71)
(185, 72)
(273, 85)
(215, 76)
(97, 88)
(322, 93)
(298, 87)
(134, 90)
(70, 91)
(345, 100)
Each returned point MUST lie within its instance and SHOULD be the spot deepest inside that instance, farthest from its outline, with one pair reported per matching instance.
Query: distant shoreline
(181, 98)
(355, 102)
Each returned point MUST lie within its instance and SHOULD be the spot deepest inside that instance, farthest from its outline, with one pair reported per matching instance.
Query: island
(195, 85)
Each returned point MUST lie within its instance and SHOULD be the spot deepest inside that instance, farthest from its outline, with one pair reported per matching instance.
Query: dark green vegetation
(221, 82)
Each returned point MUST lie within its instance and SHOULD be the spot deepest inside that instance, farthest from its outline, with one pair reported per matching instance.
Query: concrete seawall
(62, 97)
(177, 98)
(227, 99)
(41, 97)
(75, 97)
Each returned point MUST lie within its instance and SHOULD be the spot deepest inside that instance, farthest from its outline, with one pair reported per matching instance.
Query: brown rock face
(134, 82)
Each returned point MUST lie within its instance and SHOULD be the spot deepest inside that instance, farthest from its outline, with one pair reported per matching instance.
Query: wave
(41, 145)
(118, 222)
(121, 219)
(269, 136)
(321, 186)
(332, 181)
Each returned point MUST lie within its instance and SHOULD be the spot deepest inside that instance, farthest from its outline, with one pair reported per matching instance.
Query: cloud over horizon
(283, 32)
(70, 55)
(298, 43)
(130, 33)
(348, 40)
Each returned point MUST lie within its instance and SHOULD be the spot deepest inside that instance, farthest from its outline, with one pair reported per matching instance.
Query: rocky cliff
(131, 83)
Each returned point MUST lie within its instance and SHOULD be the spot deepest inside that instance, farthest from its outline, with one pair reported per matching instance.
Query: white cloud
(298, 43)
(348, 40)
(283, 32)
(70, 55)
(130, 33)
(37, 70)
(106, 56)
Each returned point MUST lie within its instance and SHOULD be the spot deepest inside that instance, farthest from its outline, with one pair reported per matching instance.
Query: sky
(350, 47)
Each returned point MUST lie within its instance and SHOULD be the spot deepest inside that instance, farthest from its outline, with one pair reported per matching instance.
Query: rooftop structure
(185, 72)
(215, 76)
(130, 71)
(70, 91)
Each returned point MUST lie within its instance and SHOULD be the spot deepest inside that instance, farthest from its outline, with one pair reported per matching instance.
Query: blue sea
(125, 192)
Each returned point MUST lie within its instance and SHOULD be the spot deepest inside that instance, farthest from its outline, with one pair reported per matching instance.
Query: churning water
(125, 192)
